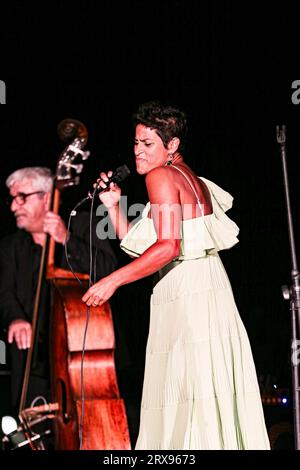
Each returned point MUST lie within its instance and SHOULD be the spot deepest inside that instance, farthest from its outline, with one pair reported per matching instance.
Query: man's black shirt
(19, 269)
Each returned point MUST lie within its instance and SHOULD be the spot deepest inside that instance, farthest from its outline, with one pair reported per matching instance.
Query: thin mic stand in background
(292, 293)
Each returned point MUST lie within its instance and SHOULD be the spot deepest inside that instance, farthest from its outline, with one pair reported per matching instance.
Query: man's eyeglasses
(20, 198)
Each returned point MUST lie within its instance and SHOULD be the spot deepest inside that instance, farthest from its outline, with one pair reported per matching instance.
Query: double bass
(88, 412)
(91, 412)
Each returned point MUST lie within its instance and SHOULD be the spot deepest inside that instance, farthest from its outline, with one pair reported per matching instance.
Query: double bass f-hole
(63, 400)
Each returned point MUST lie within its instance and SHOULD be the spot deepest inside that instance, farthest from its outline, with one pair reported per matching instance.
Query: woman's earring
(170, 158)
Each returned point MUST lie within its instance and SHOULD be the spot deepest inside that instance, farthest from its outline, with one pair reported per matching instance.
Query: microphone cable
(91, 263)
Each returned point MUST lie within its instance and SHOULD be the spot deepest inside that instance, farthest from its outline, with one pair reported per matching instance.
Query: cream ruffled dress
(200, 386)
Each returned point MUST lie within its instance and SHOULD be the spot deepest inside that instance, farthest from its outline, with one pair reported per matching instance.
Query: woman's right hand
(112, 195)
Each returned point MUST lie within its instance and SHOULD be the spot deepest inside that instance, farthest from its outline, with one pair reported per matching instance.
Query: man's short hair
(41, 178)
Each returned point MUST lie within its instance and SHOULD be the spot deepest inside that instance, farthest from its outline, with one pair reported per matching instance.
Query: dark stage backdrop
(230, 67)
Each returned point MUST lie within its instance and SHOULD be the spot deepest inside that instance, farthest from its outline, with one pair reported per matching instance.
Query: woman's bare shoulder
(160, 185)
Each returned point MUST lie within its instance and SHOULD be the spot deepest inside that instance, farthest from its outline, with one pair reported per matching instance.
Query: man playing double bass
(30, 194)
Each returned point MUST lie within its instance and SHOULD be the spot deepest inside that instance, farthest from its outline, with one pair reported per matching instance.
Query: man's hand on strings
(55, 226)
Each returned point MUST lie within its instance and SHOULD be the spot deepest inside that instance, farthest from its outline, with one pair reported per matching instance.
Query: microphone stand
(292, 293)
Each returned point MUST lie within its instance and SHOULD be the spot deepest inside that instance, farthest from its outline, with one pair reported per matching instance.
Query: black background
(230, 66)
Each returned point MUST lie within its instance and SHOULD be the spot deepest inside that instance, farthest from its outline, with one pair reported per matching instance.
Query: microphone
(118, 175)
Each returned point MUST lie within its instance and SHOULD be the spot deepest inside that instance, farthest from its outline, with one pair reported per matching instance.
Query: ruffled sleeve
(212, 233)
(219, 196)
(141, 235)
(200, 237)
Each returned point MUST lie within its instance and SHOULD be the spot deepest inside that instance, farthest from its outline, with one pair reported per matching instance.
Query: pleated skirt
(200, 386)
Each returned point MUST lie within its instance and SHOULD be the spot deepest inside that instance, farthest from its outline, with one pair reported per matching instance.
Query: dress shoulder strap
(191, 185)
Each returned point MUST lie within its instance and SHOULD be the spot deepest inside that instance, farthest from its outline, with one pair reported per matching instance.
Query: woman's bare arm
(166, 214)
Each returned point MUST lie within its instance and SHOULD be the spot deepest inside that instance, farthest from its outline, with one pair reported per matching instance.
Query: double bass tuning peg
(68, 166)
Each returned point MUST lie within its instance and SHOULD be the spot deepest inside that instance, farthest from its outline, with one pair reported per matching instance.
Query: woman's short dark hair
(168, 121)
